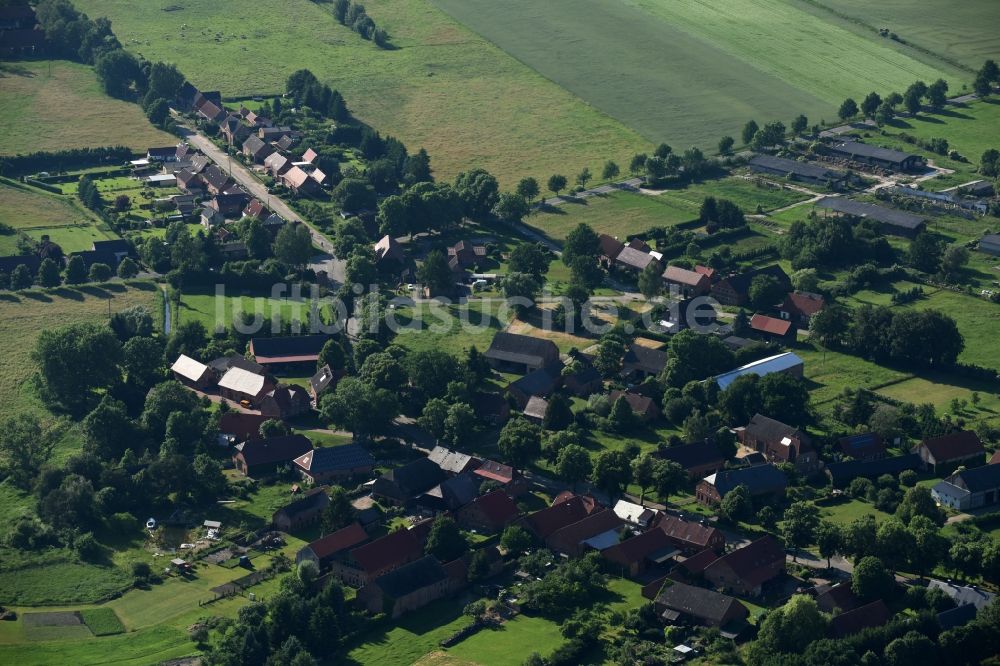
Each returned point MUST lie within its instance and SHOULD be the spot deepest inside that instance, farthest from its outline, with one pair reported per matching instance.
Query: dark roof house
(257, 457)
(746, 569)
(521, 353)
(335, 462)
(678, 600)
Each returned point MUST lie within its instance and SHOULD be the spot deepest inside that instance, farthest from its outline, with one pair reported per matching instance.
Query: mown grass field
(55, 105)
(688, 72)
(442, 88)
(37, 213)
(962, 31)
(450, 328)
(617, 214)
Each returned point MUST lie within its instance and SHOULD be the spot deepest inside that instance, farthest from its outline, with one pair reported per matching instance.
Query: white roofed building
(239, 384)
(787, 363)
(192, 373)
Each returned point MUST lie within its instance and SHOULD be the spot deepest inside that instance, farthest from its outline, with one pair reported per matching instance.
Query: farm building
(843, 473)
(990, 244)
(511, 352)
(780, 443)
(699, 459)
(566, 509)
(322, 551)
(958, 448)
(635, 554)
(573, 539)
(488, 513)
(788, 363)
(401, 484)
(799, 308)
(388, 553)
(324, 380)
(970, 488)
(262, 457)
(747, 569)
(406, 589)
(870, 615)
(641, 362)
(794, 170)
(885, 158)
(610, 249)
(678, 602)
(388, 249)
(451, 462)
(771, 328)
(334, 463)
(451, 494)
(866, 446)
(535, 409)
(192, 373)
(239, 427)
(760, 480)
(691, 536)
(688, 283)
(287, 351)
(303, 512)
(239, 384)
(892, 221)
(642, 406)
(509, 478)
(539, 383)
(634, 514)
(631, 259)
(285, 402)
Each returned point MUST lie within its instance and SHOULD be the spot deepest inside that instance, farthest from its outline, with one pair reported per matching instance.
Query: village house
(735, 289)
(277, 164)
(334, 463)
(969, 489)
(162, 154)
(190, 182)
(216, 180)
(262, 457)
(299, 181)
(843, 473)
(799, 308)
(285, 401)
(958, 448)
(303, 512)
(686, 283)
(509, 478)
(780, 443)
(804, 172)
(634, 514)
(287, 352)
(788, 363)
(409, 588)
(402, 484)
(746, 570)
(699, 459)
(388, 553)
(239, 426)
(388, 250)
(633, 260)
(511, 352)
(891, 221)
(540, 383)
(489, 513)
(851, 622)
(233, 130)
(565, 510)
(535, 409)
(451, 494)
(641, 362)
(255, 148)
(863, 446)
(579, 376)
(760, 480)
(451, 462)
(324, 550)
(230, 206)
(238, 385)
(463, 255)
(690, 536)
(769, 328)
(575, 538)
(324, 380)
(636, 553)
(192, 373)
(610, 249)
(885, 158)
(642, 406)
(678, 602)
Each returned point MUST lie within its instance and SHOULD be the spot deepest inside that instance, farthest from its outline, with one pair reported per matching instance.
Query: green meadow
(617, 214)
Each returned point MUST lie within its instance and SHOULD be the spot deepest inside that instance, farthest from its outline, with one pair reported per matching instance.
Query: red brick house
(565, 510)
(633, 555)
(644, 407)
(780, 443)
(570, 539)
(687, 283)
(865, 446)
(285, 402)
(409, 588)
(679, 602)
(799, 308)
(366, 563)
(690, 536)
(735, 289)
(699, 459)
(262, 457)
(303, 512)
(322, 551)
(508, 477)
(746, 570)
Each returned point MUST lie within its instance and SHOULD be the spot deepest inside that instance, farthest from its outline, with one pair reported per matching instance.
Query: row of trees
(354, 16)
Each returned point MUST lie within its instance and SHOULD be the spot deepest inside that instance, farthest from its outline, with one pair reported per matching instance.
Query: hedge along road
(334, 266)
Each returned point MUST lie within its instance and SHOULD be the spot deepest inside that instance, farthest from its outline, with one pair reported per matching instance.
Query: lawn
(686, 71)
(619, 214)
(56, 105)
(511, 644)
(450, 328)
(219, 311)
(844, 513)
(37, 213)
(829, 373)
(60, 582)
(102, 621)
(956, 30)
(442, 88)
(940, 391)
(74, 238)
(139, 648)
(746, 194)
(410, 638)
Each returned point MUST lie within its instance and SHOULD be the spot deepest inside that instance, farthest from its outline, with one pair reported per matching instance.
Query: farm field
(443, 88)
(57, 105)
(732, 61)
(617, 214)
(36, 213)
(956, 30)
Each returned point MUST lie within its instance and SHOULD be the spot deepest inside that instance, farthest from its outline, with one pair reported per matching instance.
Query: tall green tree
(293, 245)
(848, 109)
(520, 442)
(556, 184)
(528, 188)
(573, 464)
(26, 445)
(445, 541)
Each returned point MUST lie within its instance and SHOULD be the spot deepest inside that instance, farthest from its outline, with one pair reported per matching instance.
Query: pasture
(617, 214)
(56, 105)
(688, 72)
(956, 30)
(442, 88)
(37, 213)
(223, 311)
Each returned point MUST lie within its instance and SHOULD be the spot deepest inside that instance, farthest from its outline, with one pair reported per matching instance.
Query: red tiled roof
(497, 506)
(687, 531)
(495, 471)
(637, 548)
(750, 563)
(640, 404)
(962, 444)
(546, 521)
(766, 324)
(804, 302)
(335, 542)
(394, 548)
(705, 270)
(683, 276)
(243, 426)
(874, 614)
(585, 528)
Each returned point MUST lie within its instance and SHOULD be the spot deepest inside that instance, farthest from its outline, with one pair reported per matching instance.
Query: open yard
(55, 105)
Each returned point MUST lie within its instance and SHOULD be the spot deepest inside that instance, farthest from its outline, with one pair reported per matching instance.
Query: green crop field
(55, 105)
(963, 31)
(701, 69)
(102, 621)
(443, 88)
